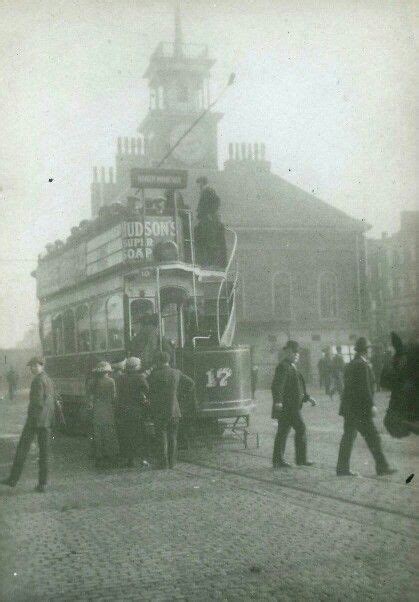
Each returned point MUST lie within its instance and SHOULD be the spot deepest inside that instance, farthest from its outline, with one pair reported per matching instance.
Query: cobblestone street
(221, 526)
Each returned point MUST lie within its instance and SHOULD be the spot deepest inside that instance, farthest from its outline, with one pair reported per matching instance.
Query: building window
(83, 328)
(115, 318)
(98, 324)
(328, 301)
(281, 297)
(69, 332)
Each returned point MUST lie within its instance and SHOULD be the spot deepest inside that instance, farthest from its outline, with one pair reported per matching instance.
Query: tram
(136, 266)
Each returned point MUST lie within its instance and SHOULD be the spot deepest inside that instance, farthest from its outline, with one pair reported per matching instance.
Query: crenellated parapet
(104, 189)
(131, 152)
(247, 156)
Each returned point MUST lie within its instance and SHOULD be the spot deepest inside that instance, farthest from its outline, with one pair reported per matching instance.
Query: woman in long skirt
(104, 428)
(132, 389)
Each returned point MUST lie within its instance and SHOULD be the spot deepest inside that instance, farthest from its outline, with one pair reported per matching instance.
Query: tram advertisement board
(140, 237)
(159, 178)
(67, 269)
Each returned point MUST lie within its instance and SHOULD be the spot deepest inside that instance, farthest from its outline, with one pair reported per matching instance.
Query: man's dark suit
(38, 424)
(165, 385)
(356, 409)
(288, 388)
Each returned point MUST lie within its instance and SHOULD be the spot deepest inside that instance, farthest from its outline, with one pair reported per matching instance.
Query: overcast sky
(330, 87)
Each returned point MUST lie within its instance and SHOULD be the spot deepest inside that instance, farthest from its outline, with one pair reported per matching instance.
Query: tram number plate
(218, 377)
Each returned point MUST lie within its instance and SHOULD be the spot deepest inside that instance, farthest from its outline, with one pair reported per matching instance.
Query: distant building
(393, 274)
(302, 262)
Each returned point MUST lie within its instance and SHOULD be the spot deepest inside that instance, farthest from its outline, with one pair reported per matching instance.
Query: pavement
(221, 526)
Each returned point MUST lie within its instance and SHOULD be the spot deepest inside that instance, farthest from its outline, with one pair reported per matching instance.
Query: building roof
(252, 198)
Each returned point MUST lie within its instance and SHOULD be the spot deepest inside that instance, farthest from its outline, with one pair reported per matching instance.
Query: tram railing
(226, 338)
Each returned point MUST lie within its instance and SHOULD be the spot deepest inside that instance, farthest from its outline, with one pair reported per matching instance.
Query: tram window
(47, 344)
(83, 328)
(57, 335)
(98, 323)
(115, 316)
(139, 308)
(172, 323)
(69, 332)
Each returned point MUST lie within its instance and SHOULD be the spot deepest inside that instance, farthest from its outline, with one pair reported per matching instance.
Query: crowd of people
(120, 408)
(125, 401)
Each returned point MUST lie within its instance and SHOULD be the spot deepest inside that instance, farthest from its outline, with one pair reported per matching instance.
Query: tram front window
(69, 332)
(47, 341)
(172, 321)
(98, 322)
(139, 308)
(57, 335)
(83, 328)
(115, 316)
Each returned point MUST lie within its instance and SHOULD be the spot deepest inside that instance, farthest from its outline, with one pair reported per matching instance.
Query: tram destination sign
(159, 178)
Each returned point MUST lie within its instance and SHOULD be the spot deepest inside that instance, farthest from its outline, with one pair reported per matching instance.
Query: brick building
(302, 262)
(393, 274)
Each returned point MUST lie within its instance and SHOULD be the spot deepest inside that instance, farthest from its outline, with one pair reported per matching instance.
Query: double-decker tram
(141, 277)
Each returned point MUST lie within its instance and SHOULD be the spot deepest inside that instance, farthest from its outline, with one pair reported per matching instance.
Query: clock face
(192, 148)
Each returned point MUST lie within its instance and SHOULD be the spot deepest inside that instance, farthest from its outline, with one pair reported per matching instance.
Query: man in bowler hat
(288, 395)
(357, 408)
(38, 424)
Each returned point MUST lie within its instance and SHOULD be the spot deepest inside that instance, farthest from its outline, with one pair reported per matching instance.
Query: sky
(329, 86)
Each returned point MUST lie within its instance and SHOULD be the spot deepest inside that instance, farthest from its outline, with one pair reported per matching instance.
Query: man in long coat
(165, 387)
(38, 424)
(288, 395)
(357, 408)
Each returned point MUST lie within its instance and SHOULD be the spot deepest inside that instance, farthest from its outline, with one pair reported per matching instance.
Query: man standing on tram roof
(38, 424)
(209, 233)
(288, 395)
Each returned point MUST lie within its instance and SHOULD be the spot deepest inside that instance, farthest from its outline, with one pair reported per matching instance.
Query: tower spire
(178, 31)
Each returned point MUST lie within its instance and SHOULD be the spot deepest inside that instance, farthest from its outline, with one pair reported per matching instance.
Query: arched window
(83, 328)
(115, 318)
(57, 335)
(328, 297)
(69, 331)
(98, 325)
(281, 297)
(47, 342)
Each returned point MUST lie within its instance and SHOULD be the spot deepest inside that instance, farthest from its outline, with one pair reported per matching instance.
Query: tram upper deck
(144, 254)
(138, 276)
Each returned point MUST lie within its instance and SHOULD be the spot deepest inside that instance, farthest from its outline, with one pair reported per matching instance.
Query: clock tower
(178, 77)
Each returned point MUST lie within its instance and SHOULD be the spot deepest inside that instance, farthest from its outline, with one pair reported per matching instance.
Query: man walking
(165, 384)
(288, 395)
(38, 424)
(357, 408)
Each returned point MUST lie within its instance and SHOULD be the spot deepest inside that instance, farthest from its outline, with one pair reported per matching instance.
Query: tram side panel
(223, 381)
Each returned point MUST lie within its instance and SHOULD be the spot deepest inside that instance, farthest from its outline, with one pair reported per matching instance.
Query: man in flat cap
(288, 395)
(357, 408)
(38, 424)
